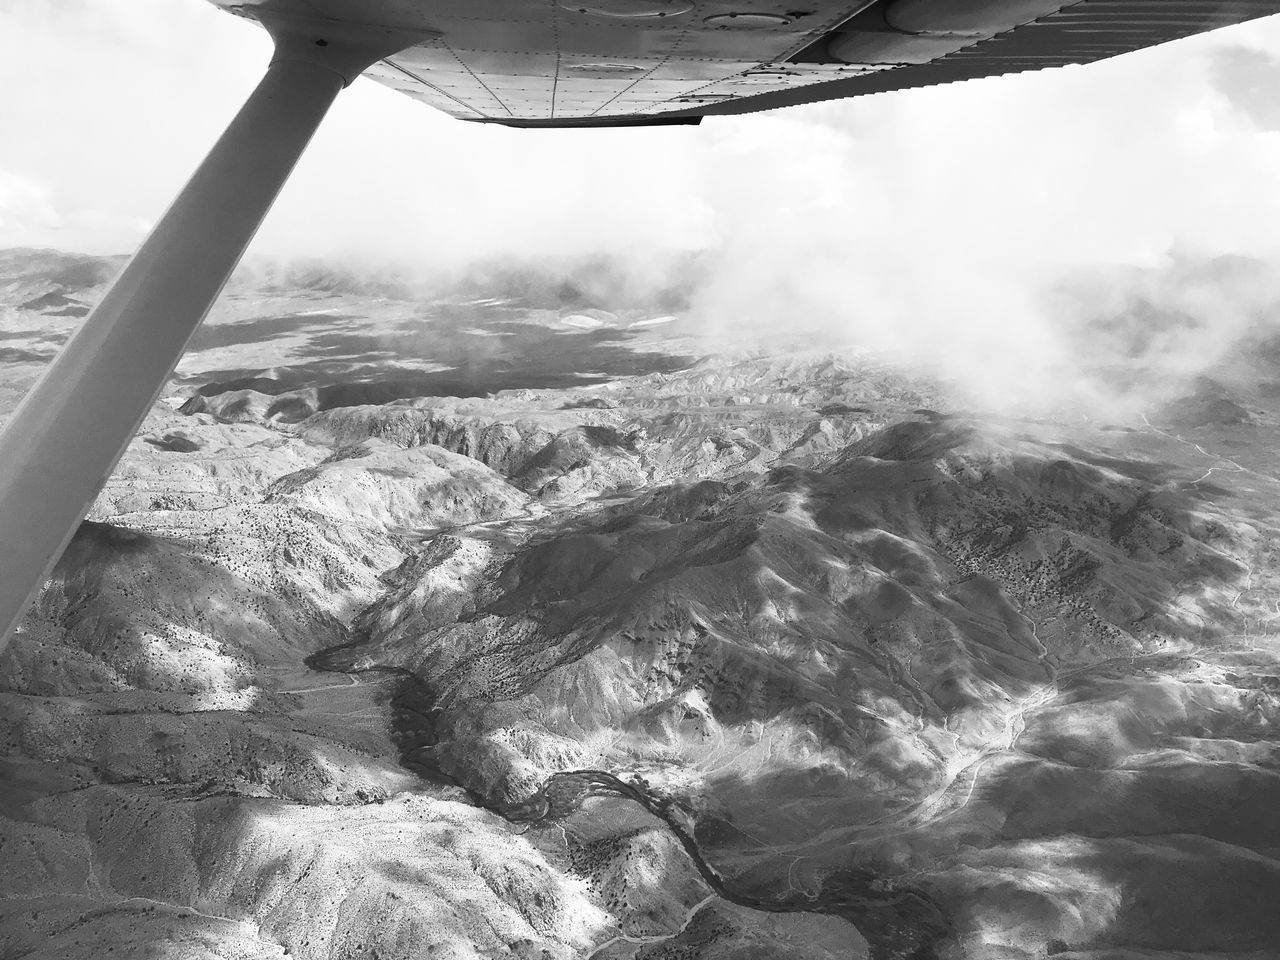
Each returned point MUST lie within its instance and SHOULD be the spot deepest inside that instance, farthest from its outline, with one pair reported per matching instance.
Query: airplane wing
(569, 63)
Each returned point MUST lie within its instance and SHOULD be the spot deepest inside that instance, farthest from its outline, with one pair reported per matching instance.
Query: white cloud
(24, 206)
(939, 221)
(942, 222)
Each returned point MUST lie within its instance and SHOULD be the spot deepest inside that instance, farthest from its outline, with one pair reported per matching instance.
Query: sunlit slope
(980, 686)
(883, 611)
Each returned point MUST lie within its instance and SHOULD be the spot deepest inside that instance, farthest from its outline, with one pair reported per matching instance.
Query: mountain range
(447, 625)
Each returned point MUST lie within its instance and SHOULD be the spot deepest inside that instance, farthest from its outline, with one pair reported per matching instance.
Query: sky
(951, 216)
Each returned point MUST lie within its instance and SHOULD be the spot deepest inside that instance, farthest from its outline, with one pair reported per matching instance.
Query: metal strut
(65, 438)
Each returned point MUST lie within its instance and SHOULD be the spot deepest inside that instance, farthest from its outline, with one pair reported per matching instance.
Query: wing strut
(63, 441)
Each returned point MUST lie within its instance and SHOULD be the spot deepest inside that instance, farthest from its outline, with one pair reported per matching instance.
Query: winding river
(898, 923)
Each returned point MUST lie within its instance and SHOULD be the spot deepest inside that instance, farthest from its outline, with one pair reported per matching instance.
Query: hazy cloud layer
(986, 226)
(1249, 78)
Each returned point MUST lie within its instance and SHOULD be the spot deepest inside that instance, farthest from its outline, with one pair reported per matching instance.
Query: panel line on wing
(555, 33)
(431, 86)
(596, 62)
(477, 79)
(648, 73)
(826, 27)
(1084, 31)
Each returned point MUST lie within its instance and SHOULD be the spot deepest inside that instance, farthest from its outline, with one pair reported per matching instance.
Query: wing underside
(564, 63)
(1083, 32)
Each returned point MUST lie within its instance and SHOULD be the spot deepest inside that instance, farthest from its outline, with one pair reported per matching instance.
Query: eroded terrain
(479, 627)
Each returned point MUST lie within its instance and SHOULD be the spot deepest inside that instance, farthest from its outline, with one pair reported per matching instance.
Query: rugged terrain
(515, 622)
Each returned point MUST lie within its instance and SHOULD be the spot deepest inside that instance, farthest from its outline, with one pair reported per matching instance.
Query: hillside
(447, 628)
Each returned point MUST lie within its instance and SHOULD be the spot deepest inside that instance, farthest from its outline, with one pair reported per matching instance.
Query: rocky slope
(773, 655)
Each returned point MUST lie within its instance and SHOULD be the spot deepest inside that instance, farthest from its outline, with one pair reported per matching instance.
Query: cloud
(24, 206)
(948, 225)
(110, 106)
(1249, 78)
(958, 225)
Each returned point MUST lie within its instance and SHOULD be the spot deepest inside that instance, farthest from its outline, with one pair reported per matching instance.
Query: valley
(442, 626)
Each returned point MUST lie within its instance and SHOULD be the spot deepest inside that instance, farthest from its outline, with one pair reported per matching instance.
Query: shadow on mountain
(31, 335)
(872, 621)
(56, 305)
(21, 355)
(211, 336)
(588, 282)
(165, 642)
(1153, 855)
(364, 369)
(71, 271)
(174, 443)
